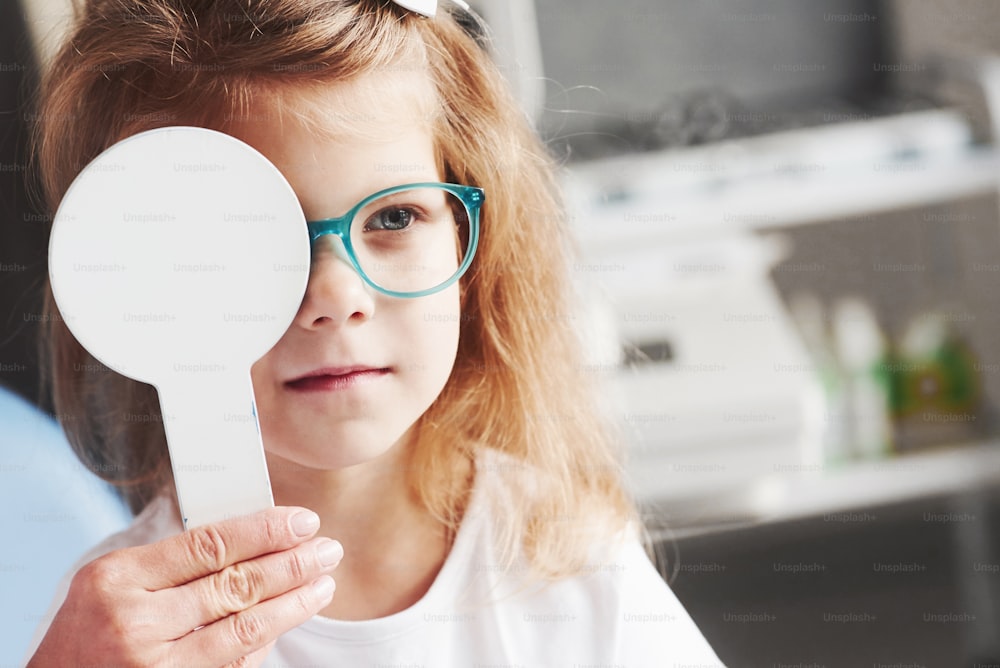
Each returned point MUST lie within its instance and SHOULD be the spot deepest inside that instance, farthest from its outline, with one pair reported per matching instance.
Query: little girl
(439, 424)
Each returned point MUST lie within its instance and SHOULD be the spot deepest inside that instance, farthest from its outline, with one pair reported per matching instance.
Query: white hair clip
(426, 7)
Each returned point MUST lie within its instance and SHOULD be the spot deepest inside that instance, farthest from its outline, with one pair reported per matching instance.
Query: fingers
(232, 638)
(243, 585)
(254, 660)
(212, 547)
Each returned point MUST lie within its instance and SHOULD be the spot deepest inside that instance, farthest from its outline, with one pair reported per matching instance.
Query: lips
(335, 378)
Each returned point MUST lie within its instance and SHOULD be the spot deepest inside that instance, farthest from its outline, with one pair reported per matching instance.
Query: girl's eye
(390, 218)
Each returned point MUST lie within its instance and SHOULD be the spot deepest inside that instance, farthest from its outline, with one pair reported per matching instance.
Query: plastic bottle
(864, 357)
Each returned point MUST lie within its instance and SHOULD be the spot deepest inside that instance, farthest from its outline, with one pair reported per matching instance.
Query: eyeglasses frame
(471, 196)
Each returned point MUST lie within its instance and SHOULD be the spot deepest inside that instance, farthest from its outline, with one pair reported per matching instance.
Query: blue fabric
(52, 510)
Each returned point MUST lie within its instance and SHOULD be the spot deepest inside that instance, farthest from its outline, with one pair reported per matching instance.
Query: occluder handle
(216, 451)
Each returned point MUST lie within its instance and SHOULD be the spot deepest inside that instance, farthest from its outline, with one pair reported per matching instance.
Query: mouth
(335, 378)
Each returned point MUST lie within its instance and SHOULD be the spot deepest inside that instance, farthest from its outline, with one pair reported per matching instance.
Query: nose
(336, 294)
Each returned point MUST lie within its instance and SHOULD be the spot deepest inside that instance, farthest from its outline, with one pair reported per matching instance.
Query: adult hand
(216, 595)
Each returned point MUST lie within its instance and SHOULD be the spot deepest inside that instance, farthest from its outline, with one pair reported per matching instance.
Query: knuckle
(98, 577)
(241, 586)
(206, 547)
(296, 567)
(305, 605)
(103, 600)
(275, 530)
(117, 625)
(248, 630)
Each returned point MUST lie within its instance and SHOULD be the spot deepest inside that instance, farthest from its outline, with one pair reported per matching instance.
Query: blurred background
(789, 231)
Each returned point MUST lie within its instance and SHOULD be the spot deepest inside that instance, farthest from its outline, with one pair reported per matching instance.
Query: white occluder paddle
(178, 258)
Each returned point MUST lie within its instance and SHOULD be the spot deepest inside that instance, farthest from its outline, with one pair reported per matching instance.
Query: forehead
(374, 107)
(363, 135)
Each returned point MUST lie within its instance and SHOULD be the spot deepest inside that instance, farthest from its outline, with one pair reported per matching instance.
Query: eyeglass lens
(411, 240)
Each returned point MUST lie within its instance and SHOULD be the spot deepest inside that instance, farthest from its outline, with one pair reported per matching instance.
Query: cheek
(435, 322)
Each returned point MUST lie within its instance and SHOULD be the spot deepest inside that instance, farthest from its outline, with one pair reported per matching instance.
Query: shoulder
(618, 591)
(158, 520)
(642, 622)
(651, 620)
(54, 510)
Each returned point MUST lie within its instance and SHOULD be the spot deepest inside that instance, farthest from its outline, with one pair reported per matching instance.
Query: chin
(333, 450)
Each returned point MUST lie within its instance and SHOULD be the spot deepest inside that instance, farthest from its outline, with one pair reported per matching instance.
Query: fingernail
(329, 552)
(323, 587)
(305, 523)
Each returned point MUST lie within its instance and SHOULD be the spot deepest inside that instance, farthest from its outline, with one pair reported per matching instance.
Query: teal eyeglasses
(410, 240)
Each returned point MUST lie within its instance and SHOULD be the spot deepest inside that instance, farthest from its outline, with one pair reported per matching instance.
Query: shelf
(844, 171)
(837, 494)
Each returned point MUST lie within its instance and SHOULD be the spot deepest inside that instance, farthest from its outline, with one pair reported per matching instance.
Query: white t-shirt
(618, 614)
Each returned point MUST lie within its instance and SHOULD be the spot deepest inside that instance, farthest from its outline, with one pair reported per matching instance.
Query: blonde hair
(519, 384)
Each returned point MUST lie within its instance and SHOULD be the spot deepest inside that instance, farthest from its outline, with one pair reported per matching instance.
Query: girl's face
(356, 368)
